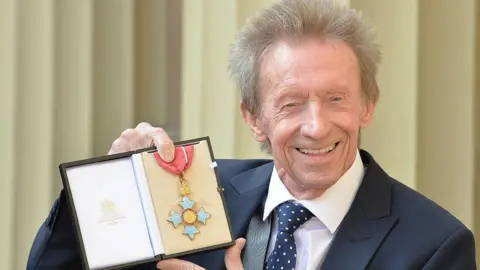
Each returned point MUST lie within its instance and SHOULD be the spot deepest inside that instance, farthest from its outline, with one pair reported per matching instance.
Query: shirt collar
(331, 207)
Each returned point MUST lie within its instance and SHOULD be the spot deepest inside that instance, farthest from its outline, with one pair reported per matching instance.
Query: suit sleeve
(456, 253)
(55, 246)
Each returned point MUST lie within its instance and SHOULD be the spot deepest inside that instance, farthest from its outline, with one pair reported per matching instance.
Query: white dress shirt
(314, 237)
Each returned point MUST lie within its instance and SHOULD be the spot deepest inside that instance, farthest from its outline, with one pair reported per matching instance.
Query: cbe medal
(188, 217)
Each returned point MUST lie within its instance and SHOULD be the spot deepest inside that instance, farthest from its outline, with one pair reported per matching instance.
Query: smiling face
(311, 112)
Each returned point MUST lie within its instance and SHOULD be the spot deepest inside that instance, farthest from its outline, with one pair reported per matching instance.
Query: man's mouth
(318, 152)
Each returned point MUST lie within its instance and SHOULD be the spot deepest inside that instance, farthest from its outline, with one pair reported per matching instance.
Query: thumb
(232, 255)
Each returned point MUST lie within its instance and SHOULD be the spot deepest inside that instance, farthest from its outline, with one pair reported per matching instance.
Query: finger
(163, 143)
(154, 136)
(126, 142)
(127, 139)
(118, 146)
(233, 259)
(176, 264)
(143, 130)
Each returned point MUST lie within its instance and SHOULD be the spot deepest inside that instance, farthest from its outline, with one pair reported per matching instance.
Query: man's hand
(233, 260)
(143, 136)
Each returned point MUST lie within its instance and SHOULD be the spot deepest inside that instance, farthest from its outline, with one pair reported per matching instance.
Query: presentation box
(132, 208)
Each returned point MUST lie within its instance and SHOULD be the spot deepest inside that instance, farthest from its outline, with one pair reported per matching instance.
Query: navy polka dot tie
(291, 215)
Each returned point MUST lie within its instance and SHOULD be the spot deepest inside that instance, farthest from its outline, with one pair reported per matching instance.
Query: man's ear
(367, 114)
(254, 124)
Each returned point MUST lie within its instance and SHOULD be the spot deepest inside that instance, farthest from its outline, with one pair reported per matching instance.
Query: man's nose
(316, 124)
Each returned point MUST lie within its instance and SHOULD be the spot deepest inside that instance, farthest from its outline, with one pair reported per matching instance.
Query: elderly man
(306, 70)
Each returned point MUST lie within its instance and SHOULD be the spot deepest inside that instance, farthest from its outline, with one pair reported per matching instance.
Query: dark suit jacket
(389, 226)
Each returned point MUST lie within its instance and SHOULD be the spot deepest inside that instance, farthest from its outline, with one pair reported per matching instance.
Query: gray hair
(293, 20)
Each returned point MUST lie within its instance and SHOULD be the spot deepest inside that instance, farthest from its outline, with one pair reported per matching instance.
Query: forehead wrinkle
(279, 69)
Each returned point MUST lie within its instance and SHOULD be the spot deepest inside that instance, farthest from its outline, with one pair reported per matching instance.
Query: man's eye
(290, 105)
(337, 99)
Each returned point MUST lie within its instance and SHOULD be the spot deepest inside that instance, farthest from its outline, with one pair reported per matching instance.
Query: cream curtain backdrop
(74, 74)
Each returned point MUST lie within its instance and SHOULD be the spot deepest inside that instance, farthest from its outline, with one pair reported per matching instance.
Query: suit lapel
(366, 224)
(244, 194)
(258, 236)
(357, 241)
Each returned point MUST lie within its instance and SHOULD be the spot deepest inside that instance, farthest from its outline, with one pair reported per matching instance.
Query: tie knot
(292, 215)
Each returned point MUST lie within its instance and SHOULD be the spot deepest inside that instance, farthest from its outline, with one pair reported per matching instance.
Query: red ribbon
(180, 163)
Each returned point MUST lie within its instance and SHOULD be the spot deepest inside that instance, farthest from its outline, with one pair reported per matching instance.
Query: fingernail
(168, 155)
(160, 153)
(241, 242)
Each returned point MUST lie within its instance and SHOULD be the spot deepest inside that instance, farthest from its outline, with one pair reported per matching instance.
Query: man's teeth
(317, 151)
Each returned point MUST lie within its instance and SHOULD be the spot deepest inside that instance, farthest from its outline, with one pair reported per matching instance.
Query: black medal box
(132, 208)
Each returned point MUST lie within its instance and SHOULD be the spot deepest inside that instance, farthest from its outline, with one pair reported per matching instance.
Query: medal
(188, 216)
